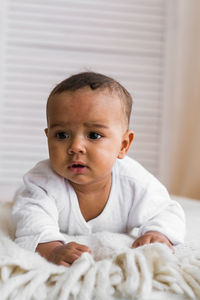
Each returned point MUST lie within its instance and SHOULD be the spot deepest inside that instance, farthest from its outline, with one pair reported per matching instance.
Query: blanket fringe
(131, 273)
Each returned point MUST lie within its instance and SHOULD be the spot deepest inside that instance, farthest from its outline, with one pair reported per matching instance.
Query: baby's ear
(46, 131)
(126, 143)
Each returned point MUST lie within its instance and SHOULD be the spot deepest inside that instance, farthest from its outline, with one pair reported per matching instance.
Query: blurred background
(150, 46)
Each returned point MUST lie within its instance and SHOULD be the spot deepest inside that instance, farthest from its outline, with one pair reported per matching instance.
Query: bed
(113, 271)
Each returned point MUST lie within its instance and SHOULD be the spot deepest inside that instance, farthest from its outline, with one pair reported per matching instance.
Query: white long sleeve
(157, 212)
(35, 211)
(47, 206)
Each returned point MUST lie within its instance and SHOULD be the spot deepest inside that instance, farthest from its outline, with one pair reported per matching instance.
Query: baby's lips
(77, 164)
(77, 168)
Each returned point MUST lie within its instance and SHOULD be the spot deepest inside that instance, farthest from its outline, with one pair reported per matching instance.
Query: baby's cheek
(57, 155)
(106, 154)
(56, 150)
(106, 161)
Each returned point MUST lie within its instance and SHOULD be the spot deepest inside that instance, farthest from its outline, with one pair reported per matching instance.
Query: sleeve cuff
(30, 242)
(175, 239)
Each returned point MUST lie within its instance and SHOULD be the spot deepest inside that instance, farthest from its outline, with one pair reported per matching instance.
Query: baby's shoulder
(42, 168)
(42, 174)
(128, 169)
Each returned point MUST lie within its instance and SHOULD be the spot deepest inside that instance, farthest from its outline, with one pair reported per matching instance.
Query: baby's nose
(77, 146)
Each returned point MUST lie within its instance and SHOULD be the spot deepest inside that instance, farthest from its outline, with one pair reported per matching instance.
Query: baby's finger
(141, 241)
(135, 244)
(83, 248)
(72, 255)
(79, 247)
(63, 263)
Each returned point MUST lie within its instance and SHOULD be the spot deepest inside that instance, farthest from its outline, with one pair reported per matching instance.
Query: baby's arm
(152, 237)
(157, 217)
(36, 215)
(60, 253)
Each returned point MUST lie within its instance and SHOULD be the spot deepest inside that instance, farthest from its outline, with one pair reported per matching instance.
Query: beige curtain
(184, 121)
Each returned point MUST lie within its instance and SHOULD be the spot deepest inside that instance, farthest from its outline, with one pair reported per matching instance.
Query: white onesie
(47, 206)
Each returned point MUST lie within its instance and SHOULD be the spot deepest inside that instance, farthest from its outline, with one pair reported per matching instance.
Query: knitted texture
(113, 269)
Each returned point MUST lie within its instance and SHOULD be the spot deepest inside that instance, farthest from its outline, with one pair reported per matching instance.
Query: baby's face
(86, 133)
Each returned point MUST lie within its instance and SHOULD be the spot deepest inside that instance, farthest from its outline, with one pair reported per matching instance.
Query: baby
(88, 184)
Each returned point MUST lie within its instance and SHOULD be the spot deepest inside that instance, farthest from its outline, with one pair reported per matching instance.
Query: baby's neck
(93, 188)
(93, 199)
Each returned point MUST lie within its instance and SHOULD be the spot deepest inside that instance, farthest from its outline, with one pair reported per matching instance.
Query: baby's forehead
(72, 96)
(105, 97)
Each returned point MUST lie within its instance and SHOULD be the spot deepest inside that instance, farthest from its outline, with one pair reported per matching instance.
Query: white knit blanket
(113, 270)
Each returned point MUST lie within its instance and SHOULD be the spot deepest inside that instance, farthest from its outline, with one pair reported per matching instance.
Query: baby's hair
(95, 81)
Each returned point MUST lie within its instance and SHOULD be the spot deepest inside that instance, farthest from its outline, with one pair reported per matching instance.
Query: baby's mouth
(77, 168)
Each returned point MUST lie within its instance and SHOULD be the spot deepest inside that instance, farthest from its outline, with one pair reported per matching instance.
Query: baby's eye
(62, 135)
(94, 136)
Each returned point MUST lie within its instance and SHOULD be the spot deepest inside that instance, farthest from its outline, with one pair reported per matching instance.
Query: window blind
(45, 41)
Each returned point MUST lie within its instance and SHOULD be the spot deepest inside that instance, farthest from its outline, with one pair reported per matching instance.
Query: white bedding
(114, 271)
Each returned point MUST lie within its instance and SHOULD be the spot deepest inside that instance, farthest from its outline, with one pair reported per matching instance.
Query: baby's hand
(152, 237)
(66, 254)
